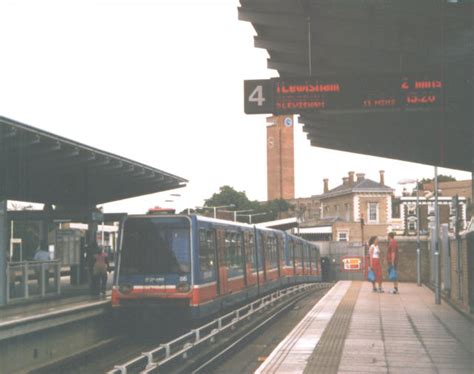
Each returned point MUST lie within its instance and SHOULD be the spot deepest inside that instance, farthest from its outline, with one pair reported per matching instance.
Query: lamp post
(251, 215)
(216, 207)
(418, 250)
(437, 260)
(234, 212)
(437, 263)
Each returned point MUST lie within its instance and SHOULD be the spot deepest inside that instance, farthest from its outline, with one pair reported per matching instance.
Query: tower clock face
(288, 121)
(271, 142)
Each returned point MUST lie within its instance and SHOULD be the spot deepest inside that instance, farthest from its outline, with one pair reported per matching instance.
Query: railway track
(200, 349)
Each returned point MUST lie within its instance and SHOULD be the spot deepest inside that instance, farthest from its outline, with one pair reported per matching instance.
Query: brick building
(427, 213)
(353, 211)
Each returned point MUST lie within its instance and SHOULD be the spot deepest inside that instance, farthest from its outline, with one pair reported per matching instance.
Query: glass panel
(155, 246)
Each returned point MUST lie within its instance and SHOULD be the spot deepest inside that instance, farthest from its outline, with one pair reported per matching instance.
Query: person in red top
(99, 271)
(392, 257)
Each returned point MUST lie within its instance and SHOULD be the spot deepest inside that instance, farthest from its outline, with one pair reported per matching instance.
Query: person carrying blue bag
(392, 261)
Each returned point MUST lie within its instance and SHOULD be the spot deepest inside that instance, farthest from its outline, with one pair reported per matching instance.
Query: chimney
(351, 178)
(382, 177)
(345, 181)
(326, 186)
(360, 177)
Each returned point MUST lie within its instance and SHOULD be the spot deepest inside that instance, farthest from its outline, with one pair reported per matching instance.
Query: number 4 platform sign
(343, 92)
(259, 96)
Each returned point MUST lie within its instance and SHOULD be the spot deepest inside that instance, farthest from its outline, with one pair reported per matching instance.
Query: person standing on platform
(392, 259)
(99, 271)
(374, 257)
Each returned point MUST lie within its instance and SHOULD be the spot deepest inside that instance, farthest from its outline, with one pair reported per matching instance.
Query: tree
(441, 178)
(227, 195)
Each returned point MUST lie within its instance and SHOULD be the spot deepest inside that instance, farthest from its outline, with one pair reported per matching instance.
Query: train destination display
(354, 92)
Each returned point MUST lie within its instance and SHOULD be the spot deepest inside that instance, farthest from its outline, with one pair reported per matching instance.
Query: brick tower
(280, 158)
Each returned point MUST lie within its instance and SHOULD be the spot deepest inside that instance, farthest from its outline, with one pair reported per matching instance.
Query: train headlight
(125, 288)
(183, 287)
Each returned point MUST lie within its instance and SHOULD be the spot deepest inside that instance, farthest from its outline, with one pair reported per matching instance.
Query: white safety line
(293, 352)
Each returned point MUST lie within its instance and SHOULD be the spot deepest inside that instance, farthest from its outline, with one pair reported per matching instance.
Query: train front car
(154, 265)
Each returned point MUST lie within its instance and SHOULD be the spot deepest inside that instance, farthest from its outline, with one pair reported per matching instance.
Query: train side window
(291, 252)
(272, 251)
(233, 253)
(207, 245)
(227, 249)
(250, 251)
(299, 255)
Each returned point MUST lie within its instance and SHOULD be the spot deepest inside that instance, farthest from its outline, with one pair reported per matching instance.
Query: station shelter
(69, 180)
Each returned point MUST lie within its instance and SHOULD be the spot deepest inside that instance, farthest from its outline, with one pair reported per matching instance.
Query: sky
(160, 82)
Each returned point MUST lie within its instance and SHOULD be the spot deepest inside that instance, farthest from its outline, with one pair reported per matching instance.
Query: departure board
(351, 92)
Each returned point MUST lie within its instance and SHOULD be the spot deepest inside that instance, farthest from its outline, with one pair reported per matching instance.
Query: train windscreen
(155, 245)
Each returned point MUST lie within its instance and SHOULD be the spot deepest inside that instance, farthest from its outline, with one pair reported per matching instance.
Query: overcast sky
(159, 82)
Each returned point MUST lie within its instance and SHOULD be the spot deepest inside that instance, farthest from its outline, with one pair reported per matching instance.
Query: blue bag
(392, 273)
(371, 276)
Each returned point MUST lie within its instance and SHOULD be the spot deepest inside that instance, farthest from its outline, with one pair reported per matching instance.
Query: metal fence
(33, 279)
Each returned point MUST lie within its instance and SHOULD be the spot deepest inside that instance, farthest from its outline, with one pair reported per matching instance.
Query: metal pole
(418, 250)
(436, 254)
(3, 251)
(310, 62)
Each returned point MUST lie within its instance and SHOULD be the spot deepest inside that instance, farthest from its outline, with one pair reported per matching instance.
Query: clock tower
(280, 158)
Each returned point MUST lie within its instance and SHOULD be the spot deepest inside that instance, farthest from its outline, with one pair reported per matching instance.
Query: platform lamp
(251, 215)
(216, 207)
(418, 250)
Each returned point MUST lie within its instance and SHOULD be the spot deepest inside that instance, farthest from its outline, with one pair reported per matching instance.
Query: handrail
(27, 279)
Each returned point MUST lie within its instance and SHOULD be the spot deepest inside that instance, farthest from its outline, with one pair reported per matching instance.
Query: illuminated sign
(351, 263)
(354, 92)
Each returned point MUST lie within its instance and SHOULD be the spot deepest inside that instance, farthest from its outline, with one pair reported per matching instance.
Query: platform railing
(33, 279)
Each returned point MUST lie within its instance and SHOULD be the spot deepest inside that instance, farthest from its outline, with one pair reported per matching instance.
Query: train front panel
(155, 262)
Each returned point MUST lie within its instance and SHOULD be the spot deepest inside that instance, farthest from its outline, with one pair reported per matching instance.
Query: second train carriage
(206, 264)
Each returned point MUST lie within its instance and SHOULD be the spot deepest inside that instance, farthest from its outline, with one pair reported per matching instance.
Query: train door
(279, 244)
(261, 255)
(250, 267)
(310, 259)
(221, 264)
(244, 257)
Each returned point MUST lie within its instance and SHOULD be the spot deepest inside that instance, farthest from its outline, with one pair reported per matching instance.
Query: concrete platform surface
(354, 330)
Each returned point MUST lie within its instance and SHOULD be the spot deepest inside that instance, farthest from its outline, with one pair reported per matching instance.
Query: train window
(299, 255)
(249, 251)
(207, 252)
(272, 251)
(233, 253)
(260, 252)
(155, 246)
(291, 252)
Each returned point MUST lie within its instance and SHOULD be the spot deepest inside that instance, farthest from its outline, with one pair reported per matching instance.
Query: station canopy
(37, 166)
(360, 37)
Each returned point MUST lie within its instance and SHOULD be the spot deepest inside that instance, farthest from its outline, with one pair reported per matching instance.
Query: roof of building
(38, 166)
(364, 185)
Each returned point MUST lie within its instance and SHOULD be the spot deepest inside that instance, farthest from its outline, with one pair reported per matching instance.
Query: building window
(342, 236)
(347, 213)
(373, 209)
(431, 208)
(411, 209)
(412, 226)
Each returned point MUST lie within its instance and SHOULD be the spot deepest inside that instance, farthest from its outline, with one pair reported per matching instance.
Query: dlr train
(205, 265)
